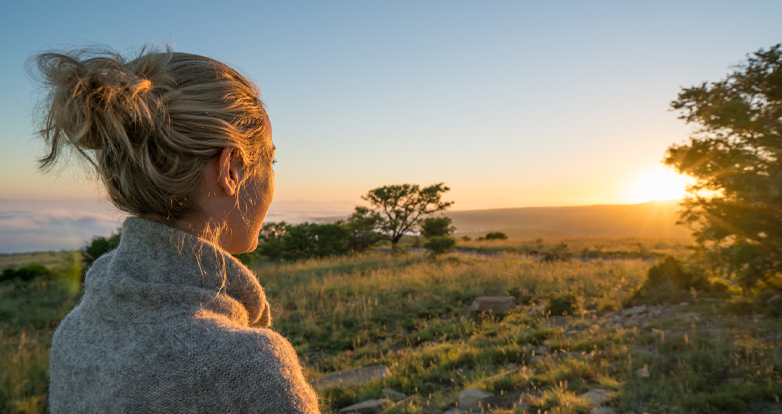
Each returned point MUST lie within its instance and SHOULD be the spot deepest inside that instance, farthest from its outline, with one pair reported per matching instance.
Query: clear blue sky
(510, 103)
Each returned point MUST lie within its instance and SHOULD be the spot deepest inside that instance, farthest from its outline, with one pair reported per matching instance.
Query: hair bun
(95, 100)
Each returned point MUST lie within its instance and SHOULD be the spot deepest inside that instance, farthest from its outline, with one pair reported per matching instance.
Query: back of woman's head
(150, 125)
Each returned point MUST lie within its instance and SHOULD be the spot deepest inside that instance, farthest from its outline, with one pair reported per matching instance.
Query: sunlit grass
(411, 313)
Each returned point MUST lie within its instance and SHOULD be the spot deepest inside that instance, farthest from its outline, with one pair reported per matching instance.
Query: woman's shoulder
(266, 364)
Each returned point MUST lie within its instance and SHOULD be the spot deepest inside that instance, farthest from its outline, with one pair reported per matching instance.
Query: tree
(436, 227)
(402, 207)
(735, 206)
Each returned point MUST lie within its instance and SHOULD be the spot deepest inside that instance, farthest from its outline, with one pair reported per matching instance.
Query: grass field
(412, 314)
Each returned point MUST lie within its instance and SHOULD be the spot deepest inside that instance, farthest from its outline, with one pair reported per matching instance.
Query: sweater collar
(163, 254)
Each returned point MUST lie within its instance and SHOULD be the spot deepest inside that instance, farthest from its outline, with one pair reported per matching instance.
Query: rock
(455, 411)
(603, 410)
(475, 399)
(635, 311)
(523, 407)
(684, 304)
(596, 396)
(393, 395)
(351, 377)
(536, 358)
(642, 372)
(493, 304)
(630, 323)
(594, 328)
(365, 407)
(560, 321)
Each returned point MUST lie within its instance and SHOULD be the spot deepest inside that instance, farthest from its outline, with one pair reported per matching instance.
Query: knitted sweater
(159, 329)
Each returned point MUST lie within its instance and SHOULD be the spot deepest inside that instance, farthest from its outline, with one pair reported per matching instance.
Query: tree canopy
(735, 206)
(401, 208)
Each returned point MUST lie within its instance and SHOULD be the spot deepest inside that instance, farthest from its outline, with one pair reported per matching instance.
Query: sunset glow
(656, 185)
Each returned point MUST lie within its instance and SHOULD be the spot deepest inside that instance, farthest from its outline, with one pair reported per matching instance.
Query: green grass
(411, 313)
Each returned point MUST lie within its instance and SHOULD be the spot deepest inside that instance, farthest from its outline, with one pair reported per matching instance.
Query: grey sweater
(170, 323)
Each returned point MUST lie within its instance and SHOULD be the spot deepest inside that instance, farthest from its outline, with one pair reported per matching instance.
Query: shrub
(436, 226)
(26, 273)
(438, 245)
(98, 247)
(280, 241)
(567, 304)
(558, 253)
(670, 281)
(496, 235)
(270, 240)
(673, 274)
(362, 224)
(309, 240)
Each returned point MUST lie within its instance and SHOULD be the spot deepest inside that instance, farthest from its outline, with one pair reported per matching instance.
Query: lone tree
(401, 208)
(735, 206)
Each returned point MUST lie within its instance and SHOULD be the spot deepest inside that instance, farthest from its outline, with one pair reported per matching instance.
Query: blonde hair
(149, 126)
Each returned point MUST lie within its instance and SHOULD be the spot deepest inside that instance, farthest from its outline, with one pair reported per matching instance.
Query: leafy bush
(496, 235)
(438, 245)
(280, 241)
(567, 304)
(362, 224)
(436, 226)
(270, 240)
(558, 253)
(98, 247)
(670, 281)
(26, 273)
(672, 274)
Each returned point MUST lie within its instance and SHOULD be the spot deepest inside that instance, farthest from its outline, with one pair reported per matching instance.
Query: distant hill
(651, 219)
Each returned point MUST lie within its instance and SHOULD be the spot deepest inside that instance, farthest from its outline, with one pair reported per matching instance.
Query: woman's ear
(230, 172)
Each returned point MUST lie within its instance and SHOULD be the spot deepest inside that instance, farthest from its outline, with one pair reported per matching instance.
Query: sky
(509, 103)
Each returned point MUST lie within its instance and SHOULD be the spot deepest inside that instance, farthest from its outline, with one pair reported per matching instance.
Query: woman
(169, 321)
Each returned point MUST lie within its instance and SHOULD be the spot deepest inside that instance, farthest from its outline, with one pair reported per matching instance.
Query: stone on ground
(603, 410)
(351, 377)
(560, 321)
(493, 304)
(365, 407)
(475, 399)
(635, 311)
(393, 395)
(643, 372)
(596, 396)
(454, 411)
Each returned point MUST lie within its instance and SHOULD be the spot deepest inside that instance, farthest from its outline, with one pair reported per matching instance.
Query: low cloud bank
(43, 225)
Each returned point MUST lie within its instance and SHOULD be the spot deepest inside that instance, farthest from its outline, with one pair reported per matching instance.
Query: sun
(657, 185)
